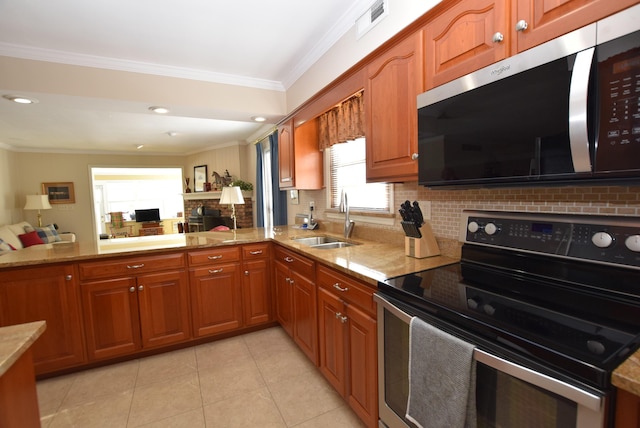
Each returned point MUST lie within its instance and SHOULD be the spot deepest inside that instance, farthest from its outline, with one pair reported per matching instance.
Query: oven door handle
(577, 395)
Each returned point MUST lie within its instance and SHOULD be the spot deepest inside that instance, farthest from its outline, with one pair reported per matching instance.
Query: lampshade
(231, 195)
(37, 202)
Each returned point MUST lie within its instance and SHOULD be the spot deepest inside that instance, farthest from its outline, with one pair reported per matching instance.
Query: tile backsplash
(447, 205)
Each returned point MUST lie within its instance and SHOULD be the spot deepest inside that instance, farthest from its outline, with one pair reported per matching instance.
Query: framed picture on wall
(199, 178)
(59, 193)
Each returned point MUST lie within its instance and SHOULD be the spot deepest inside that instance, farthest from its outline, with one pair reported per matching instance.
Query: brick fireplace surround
(244, 212)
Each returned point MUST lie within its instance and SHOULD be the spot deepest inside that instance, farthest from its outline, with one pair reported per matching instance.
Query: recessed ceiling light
(172, 133)
(140, 146)
(259, 118)
(159, 110)
(20, 99)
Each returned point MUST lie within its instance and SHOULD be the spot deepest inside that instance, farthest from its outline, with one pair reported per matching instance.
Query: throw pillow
(29, 239)
(4, 246)
(48, 233)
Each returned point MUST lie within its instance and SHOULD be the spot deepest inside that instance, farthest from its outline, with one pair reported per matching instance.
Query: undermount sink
(323, 242)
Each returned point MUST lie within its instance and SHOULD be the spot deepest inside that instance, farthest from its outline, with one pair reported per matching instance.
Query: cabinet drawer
(214, 255)
(131, 266)
(296, 262)
(255, 251)
(346, 288)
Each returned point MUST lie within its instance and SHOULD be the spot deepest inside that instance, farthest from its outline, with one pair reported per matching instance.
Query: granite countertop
(370, 261)
(15, 340)
(627, 375)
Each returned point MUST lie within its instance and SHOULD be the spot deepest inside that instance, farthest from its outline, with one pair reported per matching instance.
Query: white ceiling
(256, 46)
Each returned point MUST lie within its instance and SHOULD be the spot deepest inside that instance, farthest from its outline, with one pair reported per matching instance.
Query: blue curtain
(279, 196)
(259, 188)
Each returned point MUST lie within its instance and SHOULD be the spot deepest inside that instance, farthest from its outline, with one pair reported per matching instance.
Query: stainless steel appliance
(562, 112)
(551, 303)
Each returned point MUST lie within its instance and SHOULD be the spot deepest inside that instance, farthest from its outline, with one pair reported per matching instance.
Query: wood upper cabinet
(256, 283)
(461, 39)
(126, 313)
(549, 19)
(48, 293)
(299, 159)
(348, 341)
(296, 299)
(216, 290)
(472, 34)
(393, 81)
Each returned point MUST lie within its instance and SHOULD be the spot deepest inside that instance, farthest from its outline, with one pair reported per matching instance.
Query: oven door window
(502, 400)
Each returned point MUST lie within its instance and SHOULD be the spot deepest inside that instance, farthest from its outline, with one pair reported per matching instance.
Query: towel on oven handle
(442, 378)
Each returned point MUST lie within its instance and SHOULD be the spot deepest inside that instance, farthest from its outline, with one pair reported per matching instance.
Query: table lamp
(232, 195)
(38, 202)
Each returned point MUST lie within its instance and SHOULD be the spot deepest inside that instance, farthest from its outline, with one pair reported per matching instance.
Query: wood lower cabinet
(296, 299)
(394, 79)
(627, 409)
(256, 284)
(49, 293)
(348, 341)
(125, 314)
(216, 290)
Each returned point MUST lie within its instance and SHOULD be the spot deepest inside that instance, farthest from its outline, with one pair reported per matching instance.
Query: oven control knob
(473, 303)
(488, 309)
(595, 347)
(602, 239)
(491, 229)
(473, 227)
(633, 243)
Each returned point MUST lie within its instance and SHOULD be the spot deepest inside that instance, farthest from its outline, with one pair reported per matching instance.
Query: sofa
(22, 235)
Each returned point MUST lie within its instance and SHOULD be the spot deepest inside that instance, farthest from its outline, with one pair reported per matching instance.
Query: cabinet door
(394, 80)
(284, 297)
(461, 39)
(216, 299)
(112, 323)
(549, 19)
(331, 339)
(256, 285)
(305, 332)
(362, 382)
(50, 294)
(286, 158)
(164, 308)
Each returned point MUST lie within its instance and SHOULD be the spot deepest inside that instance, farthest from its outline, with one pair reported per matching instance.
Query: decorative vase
(187, 190)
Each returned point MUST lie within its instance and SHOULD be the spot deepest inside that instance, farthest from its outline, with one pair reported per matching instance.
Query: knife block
(421, 248)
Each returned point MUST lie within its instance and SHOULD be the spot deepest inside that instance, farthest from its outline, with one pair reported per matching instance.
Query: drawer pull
(289, 259)
(216, 270)
(255, 253)
(141, 265)
(246, 272)
(132, 289)
(140, 287)
(343, 319)
(215, 257)
(68, 277)
(337, 287)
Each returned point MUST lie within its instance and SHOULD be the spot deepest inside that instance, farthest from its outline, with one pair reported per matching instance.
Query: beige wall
(23, 174)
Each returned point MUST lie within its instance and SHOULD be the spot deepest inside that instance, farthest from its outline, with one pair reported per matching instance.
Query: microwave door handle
(578, 104)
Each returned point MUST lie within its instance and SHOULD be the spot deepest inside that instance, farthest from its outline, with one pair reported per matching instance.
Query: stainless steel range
(552, 304)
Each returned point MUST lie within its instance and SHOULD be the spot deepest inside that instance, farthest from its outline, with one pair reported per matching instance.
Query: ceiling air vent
(378, 10)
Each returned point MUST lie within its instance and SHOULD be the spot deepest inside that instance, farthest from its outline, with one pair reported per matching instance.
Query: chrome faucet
(344, 208)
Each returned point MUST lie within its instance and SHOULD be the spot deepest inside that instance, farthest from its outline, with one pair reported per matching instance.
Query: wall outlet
(425, 207)
(312, 204)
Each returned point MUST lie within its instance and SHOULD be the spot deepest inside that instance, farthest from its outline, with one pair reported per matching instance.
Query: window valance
(342, 123)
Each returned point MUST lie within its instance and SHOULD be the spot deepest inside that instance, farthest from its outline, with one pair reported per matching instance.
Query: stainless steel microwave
(565, 112)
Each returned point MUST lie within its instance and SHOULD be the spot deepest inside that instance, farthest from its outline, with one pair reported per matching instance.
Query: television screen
(152, 214)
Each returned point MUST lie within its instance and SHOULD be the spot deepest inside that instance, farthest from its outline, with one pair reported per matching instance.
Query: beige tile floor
(259, 379)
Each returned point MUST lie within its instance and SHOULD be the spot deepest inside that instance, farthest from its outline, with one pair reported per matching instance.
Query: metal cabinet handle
(415, 156)
(289, 259)
(337, 287)
(141, 265)
(68, 277)
(216, 270)
(246, 272)
(343, 319)
(140, 287)
(255, 253)
(338, 314)
(215, 257)
(497, 37)
(132, 289)
(521, 25)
